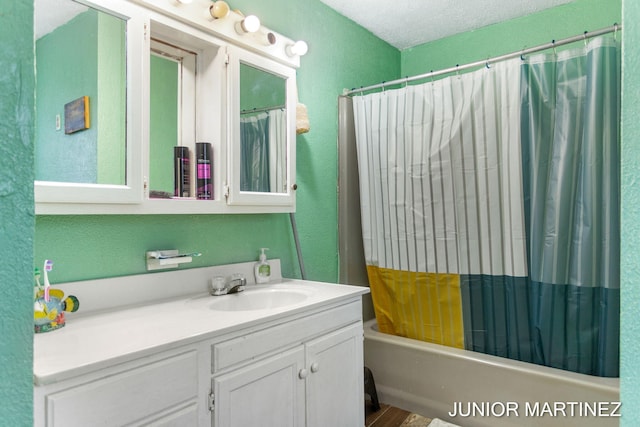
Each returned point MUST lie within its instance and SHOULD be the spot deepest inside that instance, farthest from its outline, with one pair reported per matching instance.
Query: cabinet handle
(315, 367)
(303, 374)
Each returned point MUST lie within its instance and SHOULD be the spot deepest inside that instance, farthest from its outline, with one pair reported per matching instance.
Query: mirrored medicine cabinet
(263, 131)
(121, 84)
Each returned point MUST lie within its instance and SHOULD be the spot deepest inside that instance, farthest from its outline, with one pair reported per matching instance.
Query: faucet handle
(218, 286)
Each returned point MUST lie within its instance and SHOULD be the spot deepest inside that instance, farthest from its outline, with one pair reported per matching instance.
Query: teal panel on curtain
(571, 178)
(576, 327)
(496, 316)
(568, 327)
(566, 314)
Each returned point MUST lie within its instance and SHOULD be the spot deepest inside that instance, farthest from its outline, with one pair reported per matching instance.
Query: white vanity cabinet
(307, 372)
(161, 390)
(191, 359)
(301, 368)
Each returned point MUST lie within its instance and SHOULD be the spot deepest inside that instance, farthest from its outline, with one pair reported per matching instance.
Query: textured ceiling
(50, 14)
(408, 23)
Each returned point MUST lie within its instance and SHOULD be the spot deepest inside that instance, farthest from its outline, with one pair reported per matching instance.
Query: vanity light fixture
(249, 24)
(267, 38)
(299, 48)
(219, 9)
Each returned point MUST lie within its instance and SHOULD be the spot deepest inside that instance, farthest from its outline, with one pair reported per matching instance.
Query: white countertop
(106, 337)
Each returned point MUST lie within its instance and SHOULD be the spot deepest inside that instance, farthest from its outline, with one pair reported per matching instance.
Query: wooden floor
(389, 416)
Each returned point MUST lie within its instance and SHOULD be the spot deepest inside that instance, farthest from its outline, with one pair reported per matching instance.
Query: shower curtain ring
(486, 64)
(383, 82)
(458, 70)
(553, 42)
(584, 36)
(615, 31)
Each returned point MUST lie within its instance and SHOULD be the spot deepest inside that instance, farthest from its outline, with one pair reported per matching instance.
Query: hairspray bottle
(181, 172)
(204, 156)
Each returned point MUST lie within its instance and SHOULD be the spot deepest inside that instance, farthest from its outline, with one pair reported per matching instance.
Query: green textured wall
(79, 59)
(630, 244)
(111, 116)
(17, 86)
(511, 36)
(67, 69)
(163, 113)
(341, 54)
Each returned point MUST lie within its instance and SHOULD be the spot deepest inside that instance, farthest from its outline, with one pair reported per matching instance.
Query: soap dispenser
(262, 269)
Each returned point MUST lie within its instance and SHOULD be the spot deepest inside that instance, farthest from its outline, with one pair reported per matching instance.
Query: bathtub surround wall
(17, 83)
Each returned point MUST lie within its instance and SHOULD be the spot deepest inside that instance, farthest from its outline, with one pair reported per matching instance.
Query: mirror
(80, 131)
(263, 131)
(172, 111)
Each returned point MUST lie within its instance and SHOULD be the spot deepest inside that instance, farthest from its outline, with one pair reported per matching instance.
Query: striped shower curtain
(490, 205)
(262, 151)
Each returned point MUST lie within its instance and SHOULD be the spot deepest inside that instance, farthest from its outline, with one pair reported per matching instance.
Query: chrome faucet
(235, 284)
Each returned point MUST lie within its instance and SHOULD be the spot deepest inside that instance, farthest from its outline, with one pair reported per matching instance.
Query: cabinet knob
(294, 187)
(303, 374)
(315, 367)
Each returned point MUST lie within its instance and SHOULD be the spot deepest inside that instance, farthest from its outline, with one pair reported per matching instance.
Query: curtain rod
(554, 43)
(259, 110)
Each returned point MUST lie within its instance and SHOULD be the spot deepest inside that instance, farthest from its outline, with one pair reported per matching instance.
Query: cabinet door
(335, 389)
(166, 387)
(269, 393)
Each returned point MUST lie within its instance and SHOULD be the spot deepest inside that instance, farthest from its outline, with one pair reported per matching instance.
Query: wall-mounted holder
(159, 260)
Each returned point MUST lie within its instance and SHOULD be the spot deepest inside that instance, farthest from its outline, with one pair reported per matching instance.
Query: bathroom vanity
(287, 353)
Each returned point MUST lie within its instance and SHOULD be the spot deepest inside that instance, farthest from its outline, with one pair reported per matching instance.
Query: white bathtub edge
(429, 385)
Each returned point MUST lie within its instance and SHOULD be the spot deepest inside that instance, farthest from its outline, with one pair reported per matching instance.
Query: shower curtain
(262, 152)
(490, 208)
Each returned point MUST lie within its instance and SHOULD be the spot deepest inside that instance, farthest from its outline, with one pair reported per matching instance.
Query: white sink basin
(263, 298)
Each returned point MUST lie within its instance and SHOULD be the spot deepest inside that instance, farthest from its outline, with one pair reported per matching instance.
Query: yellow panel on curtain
(424, 306)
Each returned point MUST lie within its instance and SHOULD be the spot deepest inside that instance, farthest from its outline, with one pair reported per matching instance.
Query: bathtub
(474, 389)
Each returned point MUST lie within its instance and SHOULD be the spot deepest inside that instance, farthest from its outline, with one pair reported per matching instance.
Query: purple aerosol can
(204, 158)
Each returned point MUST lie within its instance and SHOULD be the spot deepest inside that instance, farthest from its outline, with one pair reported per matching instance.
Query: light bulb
(249, 24)
(299, 48)
(219, 9)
